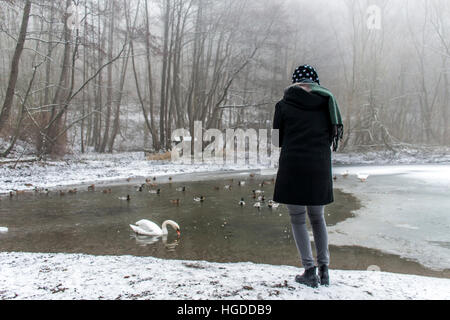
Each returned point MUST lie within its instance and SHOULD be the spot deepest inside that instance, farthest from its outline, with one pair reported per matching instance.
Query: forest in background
(104, 76)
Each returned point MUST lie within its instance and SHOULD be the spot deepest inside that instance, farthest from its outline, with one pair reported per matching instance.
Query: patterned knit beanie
(305, 72)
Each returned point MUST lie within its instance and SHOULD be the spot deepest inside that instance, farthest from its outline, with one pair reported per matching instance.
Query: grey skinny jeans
(301, 235)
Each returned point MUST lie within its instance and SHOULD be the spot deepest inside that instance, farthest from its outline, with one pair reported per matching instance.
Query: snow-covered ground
(97, 169)
(402, 156)
(64, 276)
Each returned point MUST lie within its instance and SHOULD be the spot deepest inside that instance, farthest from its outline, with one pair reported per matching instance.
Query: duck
(241, 183)
(363, 177)
(106, 191)
(176, 202)
(228, 187)
(199, 199)
(62, 193)
(257, 205)
(181, 189)
(151, 229)
(128, 179)
(216, 188)
(252, 175)
(38, 190)
(73, 191)
(3, 229)
(242, 202)
(335, 178)
(272, 204)
(155, 191)
(170, 178)
(261, 198)
(345, 174)
(127, 198)
(91, 187)
(258, 192)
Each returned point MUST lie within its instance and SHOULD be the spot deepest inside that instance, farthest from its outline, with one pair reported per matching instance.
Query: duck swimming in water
(271, 204)
(242, 202)
(127, 198)
(363, 177)
(155, 191)
(199, 199)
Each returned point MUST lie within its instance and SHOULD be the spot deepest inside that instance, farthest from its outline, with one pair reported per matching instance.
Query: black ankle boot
(309, 278)
(324, 276)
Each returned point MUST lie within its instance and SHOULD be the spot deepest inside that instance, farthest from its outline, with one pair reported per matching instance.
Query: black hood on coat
(297, 97)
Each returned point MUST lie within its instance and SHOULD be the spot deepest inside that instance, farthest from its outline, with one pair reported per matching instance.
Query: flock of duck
(150, 185)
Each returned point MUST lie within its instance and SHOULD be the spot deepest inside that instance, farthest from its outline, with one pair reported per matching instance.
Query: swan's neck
(164, 228)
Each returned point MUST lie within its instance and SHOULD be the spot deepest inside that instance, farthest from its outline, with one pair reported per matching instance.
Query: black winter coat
(304, 175)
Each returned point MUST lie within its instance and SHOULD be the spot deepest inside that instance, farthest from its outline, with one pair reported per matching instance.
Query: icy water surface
(406, 210)
(216, 230)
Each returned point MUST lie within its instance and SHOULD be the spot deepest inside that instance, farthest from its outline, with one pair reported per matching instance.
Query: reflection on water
(146, 241)
(218, 229)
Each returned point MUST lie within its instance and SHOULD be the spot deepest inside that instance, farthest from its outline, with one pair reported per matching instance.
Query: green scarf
(335, 114)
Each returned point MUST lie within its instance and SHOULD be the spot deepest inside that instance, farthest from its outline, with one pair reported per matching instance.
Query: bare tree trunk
(56, 121)
(155, 138)
(116, 123)
(14, 72)
(110, 84)
(162, 113)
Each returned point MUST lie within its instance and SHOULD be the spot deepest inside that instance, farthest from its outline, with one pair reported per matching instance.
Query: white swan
(151, 229)
(3, 229)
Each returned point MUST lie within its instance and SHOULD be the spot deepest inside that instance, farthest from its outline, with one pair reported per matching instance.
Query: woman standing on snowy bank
(309, 123)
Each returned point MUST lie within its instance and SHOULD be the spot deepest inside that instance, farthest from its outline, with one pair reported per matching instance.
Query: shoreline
(114, 169)
(74, 276)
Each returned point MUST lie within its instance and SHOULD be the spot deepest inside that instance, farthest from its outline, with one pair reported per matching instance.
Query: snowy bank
(97, 169)
(74, 276)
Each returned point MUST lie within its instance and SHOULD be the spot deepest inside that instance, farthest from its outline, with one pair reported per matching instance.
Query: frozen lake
(406, 211)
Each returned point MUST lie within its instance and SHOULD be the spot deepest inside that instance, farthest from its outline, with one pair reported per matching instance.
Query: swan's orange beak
(178, 233)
